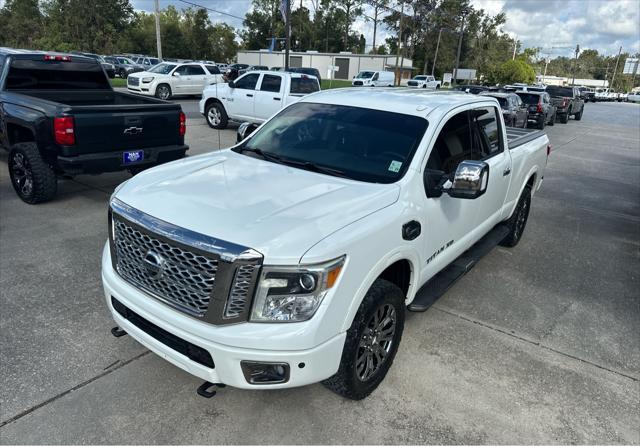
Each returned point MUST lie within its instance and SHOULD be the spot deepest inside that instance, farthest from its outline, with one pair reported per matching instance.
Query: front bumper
(307, 366)
(112, 161)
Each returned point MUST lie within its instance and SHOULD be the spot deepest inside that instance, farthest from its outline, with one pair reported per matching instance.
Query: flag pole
(287, 31)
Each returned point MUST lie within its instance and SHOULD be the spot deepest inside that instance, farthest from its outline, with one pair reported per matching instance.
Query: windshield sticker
(395, 166)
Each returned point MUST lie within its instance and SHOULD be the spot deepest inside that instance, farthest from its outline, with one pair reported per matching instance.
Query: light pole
(158, 41)
(455, 75)
(435, 57)
(575, 63)
(400, 43)
(613, 78)
(287, 35)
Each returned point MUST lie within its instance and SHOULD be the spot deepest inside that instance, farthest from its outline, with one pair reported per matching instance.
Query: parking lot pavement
(540, 343)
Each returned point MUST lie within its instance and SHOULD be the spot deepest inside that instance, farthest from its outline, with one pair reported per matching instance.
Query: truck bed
(88, 98)
(517, 137)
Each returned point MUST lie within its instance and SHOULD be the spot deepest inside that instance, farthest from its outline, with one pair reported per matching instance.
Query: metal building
(347, 64)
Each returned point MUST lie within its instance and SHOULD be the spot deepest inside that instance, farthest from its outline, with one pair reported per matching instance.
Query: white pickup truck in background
(254, 97)
(291, 258)
(424, 81)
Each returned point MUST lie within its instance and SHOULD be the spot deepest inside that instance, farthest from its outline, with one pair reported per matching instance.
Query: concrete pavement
(538, 344)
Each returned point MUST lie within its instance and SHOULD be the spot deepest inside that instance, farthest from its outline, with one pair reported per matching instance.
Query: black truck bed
(92, 98)
(516, 136)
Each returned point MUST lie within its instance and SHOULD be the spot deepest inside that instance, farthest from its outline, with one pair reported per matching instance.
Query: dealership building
(345, 64)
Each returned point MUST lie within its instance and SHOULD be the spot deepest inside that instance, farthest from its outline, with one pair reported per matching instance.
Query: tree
(513, 71)
(20, 23)
(262, 23)
(351, 9)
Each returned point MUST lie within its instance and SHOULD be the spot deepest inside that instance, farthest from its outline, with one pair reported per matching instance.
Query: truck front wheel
(216, 116)
(32, 178)
(372, 342)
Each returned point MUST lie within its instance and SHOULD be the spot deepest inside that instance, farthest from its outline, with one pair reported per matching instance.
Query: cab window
(271, 83)
(247, 82)
(469, 135)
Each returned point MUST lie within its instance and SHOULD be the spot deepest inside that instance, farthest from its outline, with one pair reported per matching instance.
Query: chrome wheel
(163, 92)
(21, 174)
(376, 342)
(214, 117)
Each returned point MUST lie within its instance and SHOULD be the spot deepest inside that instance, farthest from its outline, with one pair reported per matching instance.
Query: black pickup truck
(568, 102)
(60, 116)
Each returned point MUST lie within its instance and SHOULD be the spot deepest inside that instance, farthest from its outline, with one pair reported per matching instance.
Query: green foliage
(514, 71)
(20, 23)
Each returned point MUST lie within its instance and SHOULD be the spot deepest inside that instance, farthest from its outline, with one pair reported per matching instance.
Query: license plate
(133, 156)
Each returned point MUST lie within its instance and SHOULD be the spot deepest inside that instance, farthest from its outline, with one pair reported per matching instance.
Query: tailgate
(122, 128)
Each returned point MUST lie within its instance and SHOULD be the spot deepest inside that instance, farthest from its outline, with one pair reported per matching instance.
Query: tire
(383, 300)
(163, 91)
(32, 178)
(552, 121)
(564, 118)
(216, 116)
(518, 221)
(123, 74)
(541, 124)
(578, 116)
(437, 87)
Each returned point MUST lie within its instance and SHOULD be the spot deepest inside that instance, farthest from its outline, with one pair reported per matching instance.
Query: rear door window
(212, 69)
(271, 83)
(195, 70)
(304, 85)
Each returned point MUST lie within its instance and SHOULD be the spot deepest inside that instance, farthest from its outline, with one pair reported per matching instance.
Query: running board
(441, 282)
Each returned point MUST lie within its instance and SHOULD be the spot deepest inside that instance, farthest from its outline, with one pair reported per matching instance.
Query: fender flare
(533, 171)
(411, 256)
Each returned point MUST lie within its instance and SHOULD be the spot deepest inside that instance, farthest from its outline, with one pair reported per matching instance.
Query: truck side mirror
(232, 84)
(470, 180)
(245, 130)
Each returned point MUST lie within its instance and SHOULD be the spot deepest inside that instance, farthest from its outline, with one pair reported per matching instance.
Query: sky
(556, 26)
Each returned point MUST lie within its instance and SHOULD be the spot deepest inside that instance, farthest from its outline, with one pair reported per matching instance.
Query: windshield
(359, 143)
(163, 68)
(560, 91)
(364, 75)
(531, 99)
(420, 78)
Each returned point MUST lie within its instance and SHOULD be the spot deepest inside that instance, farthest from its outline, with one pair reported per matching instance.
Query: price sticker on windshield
(395, 166)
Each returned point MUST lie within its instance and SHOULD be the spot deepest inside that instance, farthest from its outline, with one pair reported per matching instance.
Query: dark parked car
(109, 68)
(241, 71)
(588, 94)
(307, 70)
(541, 110)
(513, 109)
(568, 102)
(60, 116)
(473, 89)
(233, 71)
(123, 65)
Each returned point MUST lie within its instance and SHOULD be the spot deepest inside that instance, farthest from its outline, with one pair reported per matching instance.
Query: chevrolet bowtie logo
(133, 131)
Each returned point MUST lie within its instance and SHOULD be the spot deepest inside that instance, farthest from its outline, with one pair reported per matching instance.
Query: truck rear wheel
(578, 116)
(518, 220)
(564, 118)
(372, 342)
(216, 116)
(32, 178)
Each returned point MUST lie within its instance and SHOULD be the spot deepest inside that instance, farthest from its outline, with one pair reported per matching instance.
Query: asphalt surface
(538, 344)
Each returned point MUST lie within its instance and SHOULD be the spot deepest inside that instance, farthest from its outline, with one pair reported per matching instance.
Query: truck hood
(277, 210)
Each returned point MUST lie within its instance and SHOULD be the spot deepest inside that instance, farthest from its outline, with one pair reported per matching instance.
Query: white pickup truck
(291, 257)
(424, 81)
(254, 97)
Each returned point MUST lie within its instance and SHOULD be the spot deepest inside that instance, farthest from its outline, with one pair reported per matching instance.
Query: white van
(374, 79)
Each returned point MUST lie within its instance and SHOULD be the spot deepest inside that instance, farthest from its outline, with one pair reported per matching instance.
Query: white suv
(171, 79)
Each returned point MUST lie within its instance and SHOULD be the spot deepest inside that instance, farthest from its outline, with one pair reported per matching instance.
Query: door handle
(249, 95)
(506, 172)
(276, 99)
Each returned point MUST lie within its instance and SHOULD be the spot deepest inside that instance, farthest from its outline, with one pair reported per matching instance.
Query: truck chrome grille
(239, 294)
(176, 275)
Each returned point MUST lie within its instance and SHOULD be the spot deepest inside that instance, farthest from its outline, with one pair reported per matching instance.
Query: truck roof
(30, 54)
(409, 101)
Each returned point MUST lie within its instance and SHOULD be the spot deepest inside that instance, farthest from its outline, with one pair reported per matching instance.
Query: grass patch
(117, 82)
(327, 84)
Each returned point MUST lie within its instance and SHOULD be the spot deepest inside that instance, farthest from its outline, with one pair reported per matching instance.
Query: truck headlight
(293, 294)
(147, 79)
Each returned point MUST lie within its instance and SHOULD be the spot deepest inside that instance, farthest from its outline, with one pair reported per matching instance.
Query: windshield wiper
(265, 155)
(308, 165)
